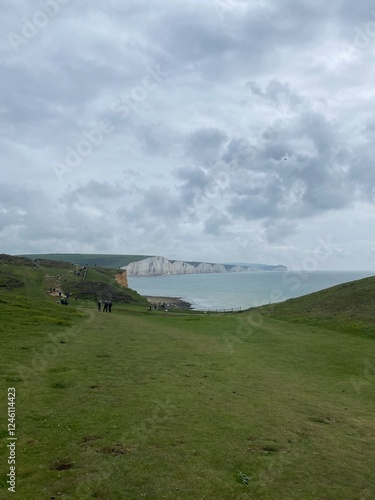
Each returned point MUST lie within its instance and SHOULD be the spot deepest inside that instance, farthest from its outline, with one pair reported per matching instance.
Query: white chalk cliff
(154, 266)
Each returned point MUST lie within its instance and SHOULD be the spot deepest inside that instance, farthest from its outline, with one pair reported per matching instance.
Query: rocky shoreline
(169, 302)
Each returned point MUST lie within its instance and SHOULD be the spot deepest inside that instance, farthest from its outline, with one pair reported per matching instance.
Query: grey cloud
(276, 93)
(95, 191)
(191, 36)
(155, 204)
(195, 181)
(263, 125)
(39, 219)
(240, 153)
(156, 139)
(279, 231)
(216, 223)
(320, 130)
(204, 145)
(362, 172)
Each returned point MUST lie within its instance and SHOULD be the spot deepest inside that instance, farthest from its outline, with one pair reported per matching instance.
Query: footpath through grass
(133, 405)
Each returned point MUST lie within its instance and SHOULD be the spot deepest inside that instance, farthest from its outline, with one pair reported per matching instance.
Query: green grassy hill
(349, 307)
(36, 278)
(273, 403)
(102, 260)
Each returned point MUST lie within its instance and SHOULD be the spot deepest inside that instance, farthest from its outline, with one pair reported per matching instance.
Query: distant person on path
(109, 306)
(99, 306)
(105, 309)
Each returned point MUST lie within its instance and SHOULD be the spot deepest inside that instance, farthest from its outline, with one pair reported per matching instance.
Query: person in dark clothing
(109, 306)
(99, 306)
(105, 309)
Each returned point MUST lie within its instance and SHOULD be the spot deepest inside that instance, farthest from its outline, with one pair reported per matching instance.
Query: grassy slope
(103, 260)
(174, 406)
(99, 282)
(346, 308)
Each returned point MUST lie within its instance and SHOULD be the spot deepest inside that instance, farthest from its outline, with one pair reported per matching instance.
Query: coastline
(240, 290)
(170, 302)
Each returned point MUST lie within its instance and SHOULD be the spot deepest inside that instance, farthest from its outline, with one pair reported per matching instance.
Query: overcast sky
(217, 130)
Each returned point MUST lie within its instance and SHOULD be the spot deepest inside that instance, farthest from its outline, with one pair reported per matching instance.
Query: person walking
(105, 309)
(99, 306)
(109, 306)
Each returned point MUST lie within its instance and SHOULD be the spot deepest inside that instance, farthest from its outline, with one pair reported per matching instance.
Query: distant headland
(146, 265)
(156, 266)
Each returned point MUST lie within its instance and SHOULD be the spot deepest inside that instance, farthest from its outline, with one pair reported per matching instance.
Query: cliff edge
(154, 266)
(122, 279)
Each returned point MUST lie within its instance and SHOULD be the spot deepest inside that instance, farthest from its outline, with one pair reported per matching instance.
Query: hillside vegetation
(349, 308)
(102, 260)
(93, 284)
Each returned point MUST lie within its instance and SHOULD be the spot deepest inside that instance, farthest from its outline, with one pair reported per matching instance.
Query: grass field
(134, 404)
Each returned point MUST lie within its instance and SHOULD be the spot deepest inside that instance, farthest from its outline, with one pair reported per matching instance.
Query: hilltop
(112, 261)
(87, 283)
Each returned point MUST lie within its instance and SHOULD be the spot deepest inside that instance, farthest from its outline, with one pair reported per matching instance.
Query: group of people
(107, 305)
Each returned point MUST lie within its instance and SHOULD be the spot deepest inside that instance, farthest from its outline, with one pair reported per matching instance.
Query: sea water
(241, 290)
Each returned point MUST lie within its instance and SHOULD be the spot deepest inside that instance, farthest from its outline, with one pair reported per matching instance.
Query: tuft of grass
(243, 478)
